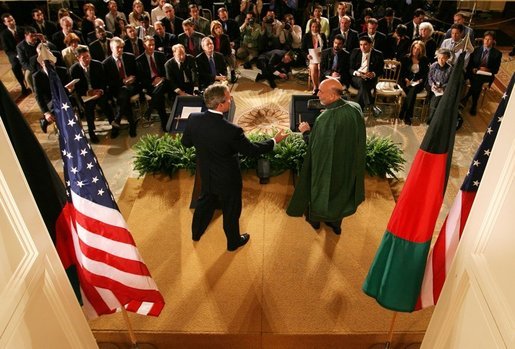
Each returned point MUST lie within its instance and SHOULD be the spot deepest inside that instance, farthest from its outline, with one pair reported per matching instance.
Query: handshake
(279, 136)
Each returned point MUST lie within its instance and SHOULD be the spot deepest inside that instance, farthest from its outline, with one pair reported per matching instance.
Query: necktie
(212, 65)
(153, 66)
(191, 46)
(16, 36)
(335, 62)
(225, 27)
(415, 34)
(135, 48)
(390, 27)
(484, 58)
(88, 79)
(120, 68)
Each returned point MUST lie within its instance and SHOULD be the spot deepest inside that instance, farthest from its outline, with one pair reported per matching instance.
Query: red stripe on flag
(415, 214)
(111, 232)
(466, 204)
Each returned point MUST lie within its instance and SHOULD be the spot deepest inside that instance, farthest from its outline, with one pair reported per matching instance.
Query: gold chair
(388, 91)
(422, 100)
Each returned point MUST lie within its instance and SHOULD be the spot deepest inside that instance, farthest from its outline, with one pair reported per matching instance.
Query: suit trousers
(231, 210)
(476, 84)
(408, 105)
(123, 101)
(365, 87)
(16, 67)
(89, 110)
(158, 102)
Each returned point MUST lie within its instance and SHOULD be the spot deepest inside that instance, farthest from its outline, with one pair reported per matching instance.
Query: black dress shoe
(93, 138)
(244, 238)
(196, 237)
(315, 225)
(335, 227)
(132, 132)
(473, 111)
(259, 77)
(25, 91)
(233, 77)
(407, 122)
(115, 131)
(44, 124)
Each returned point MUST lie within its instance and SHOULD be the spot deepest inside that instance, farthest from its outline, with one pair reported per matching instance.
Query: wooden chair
(422, 101)
(388, 91)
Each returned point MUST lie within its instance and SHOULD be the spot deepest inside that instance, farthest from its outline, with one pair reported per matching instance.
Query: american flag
(440, 258)
(96, 240)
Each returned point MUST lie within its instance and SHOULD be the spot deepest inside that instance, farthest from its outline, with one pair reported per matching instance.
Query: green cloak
(332, 178)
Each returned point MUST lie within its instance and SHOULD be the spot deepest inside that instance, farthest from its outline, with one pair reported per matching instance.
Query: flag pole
(129, 328)
(390, 332)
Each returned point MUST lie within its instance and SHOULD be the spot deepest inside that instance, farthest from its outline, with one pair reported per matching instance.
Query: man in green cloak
(331, 184)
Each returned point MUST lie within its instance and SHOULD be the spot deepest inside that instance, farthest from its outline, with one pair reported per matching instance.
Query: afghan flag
(44, 182)
(395, 276)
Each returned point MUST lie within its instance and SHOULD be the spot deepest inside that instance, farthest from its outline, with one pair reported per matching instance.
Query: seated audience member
(335, 62)
(10, 37)
(350, 36)
(223, 46)
(413, 26)
(120, 30)
(92, 36)
(66, 24)
(458, 44)
(190, 38)
(112, 17)
(42, 26)
(92, 82)
(230, 27)
(316, 41)
(145, 28)
(438, 77)
(133, 44)
(414, 70)
(138, 11)
(121, 71)
(249, 45)
(211, 65)
(484, 64)
(274, 64)
(426, 36)
(43, 93)
(27, 49)
(157, 12)
(292, 34)
(378, 38)
(88, 21)
(271, 30)
(459, 18)
(366, 66)
(70, 52)
(202, 24)
(100, 48)
(366, 15)
(398, 44)
(341, 11)
(317, 17)
(171, 22)
(389, 22)
(181, 72)
(163, 40)
(152, 78)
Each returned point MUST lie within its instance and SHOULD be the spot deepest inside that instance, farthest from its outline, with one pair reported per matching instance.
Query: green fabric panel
(395, 277)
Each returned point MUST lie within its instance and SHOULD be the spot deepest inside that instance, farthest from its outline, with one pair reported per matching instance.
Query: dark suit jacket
(493, 62)
(114, 81)
(177, 25)
(164, 44)
(144, 71)
(410, 28)
(406, 72)
(352, 41)
(326, 65)
(175, 75)
(128, 46)
(375, 65)
(379, 41)
(225, 44)
(218, 143)
(42, 90)
(8, 41)
(97, 52)
(204, 70)
(232, 29)
(25, 52)
(382, 25)
(396, 50)
(307, 41)
(92, 36)
(58, 39)
(197, 38)
(50, 29)
(97, 77)
(272, 61)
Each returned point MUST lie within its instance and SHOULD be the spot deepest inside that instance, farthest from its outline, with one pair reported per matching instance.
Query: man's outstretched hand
(279, 136)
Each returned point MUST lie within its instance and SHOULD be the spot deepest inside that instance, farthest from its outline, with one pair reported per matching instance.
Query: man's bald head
(330, 91)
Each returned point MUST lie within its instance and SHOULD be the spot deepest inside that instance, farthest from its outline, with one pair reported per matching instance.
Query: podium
(300, 112)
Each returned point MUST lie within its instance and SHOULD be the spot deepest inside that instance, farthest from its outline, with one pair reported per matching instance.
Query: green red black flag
(395, 276)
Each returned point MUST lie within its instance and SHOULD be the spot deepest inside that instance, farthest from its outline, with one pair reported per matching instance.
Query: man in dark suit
(121, 71)
(211, 65)
(151, 75)
(274, 64)
(42, 26)
(412, 26)
(92, 83)
(366, 65)
(218, 143)
(171, 22)
(100, 49)
(341, 10)
(378, 38)
(181, 72)
(163, 40)
(350, 36)
(9, 38)
(27, 51)
(202, 24)
(66, 24)
(190, 38)
(335, 62)
(230, 27)
(388, 23)
(485, 59)
(133, 44)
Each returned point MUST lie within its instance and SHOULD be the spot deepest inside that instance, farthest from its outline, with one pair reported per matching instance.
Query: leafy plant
(384, 157)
